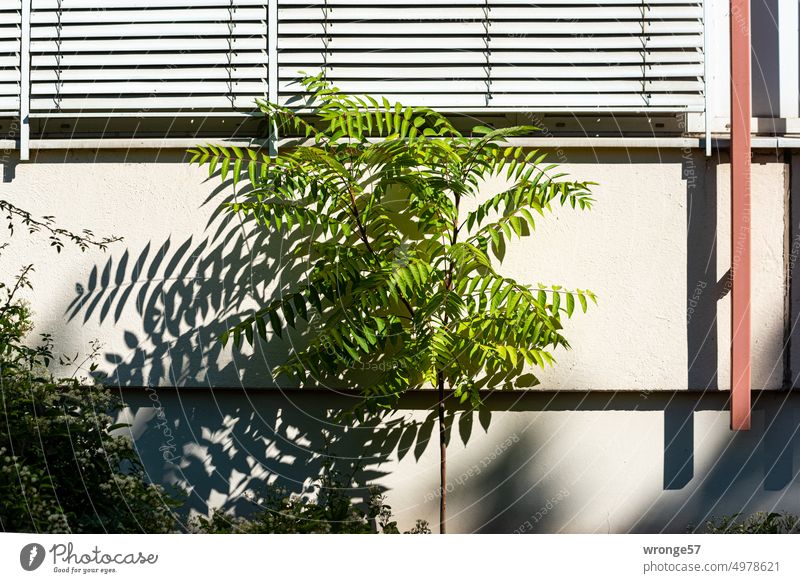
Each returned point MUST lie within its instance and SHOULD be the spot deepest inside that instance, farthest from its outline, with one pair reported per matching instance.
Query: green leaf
(226, 162)
(275, 321)
(237, 171)
(582, 300)
(570, 301)
(261, 325)
(300, 306)
(288, 313)
(482, 130)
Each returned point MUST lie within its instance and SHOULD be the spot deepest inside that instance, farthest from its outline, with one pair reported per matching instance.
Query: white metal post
(706, 69)
(25, 82)
(272, 69)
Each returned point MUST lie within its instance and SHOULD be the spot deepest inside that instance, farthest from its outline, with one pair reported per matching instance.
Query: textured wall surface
(623, 446)
(654, 249)
(566, 462)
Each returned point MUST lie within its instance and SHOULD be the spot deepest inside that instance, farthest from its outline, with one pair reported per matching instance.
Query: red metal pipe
(740, 214)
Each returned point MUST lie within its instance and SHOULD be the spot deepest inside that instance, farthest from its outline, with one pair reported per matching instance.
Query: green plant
(391, 263)
(382, 513)
(56, 235)
(62, 469)
(758, 523)
(327, 509)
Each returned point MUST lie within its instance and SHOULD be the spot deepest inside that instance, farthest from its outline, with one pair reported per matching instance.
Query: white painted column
(272, 68)
(707, 113)
(25, 82)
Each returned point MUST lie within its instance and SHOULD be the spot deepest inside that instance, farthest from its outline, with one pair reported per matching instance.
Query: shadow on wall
(174, 299)
(225, 447)
(171, 301)
(178, 297)
(548, 463)
(703, 291)
(738, 472)
(766, 54)
(549, 483)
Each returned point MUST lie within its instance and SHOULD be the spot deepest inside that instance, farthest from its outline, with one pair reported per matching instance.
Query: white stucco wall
(539, 462)
(638, 459)
(646, 249)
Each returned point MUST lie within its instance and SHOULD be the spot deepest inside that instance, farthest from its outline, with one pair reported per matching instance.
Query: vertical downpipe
(740, 214)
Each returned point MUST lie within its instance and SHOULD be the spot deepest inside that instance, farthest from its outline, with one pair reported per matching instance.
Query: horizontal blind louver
(419, 53)
(147, 55)
(10, 29)
(491, 53)
(173, 56)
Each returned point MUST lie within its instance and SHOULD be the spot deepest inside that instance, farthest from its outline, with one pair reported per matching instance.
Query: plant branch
(83, 241)
(362, 233)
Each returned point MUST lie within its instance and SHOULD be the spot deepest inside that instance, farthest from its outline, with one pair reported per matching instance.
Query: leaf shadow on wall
(211, 418)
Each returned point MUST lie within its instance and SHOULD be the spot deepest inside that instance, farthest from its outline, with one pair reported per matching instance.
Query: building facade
(629, 432)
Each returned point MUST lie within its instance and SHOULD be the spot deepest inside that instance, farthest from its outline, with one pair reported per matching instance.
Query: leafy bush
(758, 523)
(62, 468)
(64, 471)
(331, 511)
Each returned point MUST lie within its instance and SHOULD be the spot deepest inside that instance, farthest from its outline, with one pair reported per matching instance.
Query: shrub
(63, 469)
(330, 511)
(758, 523)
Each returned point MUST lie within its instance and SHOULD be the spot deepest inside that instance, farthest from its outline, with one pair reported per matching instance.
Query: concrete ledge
(553, 142)
(183, 143)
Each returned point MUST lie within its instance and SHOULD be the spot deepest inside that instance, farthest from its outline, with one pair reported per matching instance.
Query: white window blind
(147, 55)
(10, 32)
(548, 54)
(154, 57)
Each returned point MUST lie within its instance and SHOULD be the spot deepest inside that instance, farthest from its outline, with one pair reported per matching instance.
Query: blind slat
(179, 55)
(165, 55)
(10, 19)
